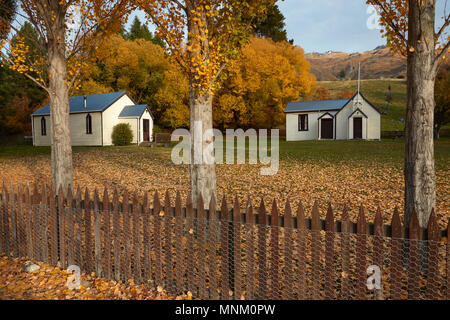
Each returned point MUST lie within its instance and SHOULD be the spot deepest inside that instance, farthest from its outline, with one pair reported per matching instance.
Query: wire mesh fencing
(228, 252)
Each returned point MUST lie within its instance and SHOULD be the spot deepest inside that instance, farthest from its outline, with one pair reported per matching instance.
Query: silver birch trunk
(61, 146)
(420, 182)
(203, 175)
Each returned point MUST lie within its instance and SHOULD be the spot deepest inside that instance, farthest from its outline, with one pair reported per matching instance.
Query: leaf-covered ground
(352, 173)
(50, 283)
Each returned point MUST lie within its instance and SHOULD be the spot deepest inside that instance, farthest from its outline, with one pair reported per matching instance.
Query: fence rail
(228, 252)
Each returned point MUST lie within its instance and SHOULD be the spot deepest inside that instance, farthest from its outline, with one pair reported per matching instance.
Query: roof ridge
(97, 94)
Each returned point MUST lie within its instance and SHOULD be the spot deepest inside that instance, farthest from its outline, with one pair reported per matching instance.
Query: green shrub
(122, 134)
(156, 129)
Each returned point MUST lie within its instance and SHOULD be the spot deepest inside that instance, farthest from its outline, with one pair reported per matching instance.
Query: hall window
(43, 127)
(88, 124)
(302, 122)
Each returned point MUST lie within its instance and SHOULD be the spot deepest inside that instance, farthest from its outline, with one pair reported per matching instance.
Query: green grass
(386, 150)
(21, 151)
(321, 152)
(375, 92)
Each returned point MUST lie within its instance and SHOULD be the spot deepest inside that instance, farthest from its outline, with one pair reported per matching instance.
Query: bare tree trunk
(61, 145)
(203, 174)
(420, 183)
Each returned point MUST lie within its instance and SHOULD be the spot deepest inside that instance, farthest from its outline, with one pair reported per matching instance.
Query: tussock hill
(379, 63)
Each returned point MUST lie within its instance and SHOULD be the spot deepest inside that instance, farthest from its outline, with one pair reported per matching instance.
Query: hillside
(375, 91)
(375, 64)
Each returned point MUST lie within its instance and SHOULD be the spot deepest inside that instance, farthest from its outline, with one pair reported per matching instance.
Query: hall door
(146, 130)
(357, 128)
(326, 129)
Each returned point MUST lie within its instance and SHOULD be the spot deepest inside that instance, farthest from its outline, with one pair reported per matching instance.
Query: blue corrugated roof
(133, 111)
(320, 105)
(94, 103)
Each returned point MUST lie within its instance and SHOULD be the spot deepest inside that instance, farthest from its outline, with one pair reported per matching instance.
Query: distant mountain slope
(375, 64)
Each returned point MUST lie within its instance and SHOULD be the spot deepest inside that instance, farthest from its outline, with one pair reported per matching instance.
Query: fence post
(379, 248)
(44, 213)
(106, 234)
(329, 254)
(97, 235)
(36, 223)
(236, 253)
(87, 232)
(448, 259)
(224, 248)
(301, 252)
(2, 220)
(315, 251)
(6, 212)
(414, 257)
(168, 241)
(126, 262)
(213, 231)
(28, 223)
(146, 230)
(12, 205)
(201, 240)
(70, 224)
(116, 234)
(396, 256)
(190, 244)
(179, 248)
(20, 222)
(361, 252)
(275, 251)
(345, 245)
(287, 272)
(262, 232)
(78, 232)
(433, 257)
(137, 241)
(157, 238)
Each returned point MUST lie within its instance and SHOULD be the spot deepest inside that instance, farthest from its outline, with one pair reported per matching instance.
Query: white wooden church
(93, 117)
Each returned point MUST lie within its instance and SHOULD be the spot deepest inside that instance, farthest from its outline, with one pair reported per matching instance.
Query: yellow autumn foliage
(146, 72)
(261, 82)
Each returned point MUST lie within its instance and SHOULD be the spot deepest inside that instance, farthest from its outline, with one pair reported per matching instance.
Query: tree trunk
(203, 174)
(420, 183)
(61, 145)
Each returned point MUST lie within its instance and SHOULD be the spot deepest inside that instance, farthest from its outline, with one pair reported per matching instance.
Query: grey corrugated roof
(94, 103)
(133, 111)
(320, 105)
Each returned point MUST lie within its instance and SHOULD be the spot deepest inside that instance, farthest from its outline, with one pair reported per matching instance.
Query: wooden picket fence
(226, 253)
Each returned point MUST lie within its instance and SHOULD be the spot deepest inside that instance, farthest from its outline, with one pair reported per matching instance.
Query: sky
(336, 25)
(332, 25)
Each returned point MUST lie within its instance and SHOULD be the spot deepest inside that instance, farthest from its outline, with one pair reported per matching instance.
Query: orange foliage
(345, 94)
(322, 94)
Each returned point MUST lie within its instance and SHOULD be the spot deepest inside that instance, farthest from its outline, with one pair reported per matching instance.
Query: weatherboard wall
(292, 132)
(133, 122)
(38, 138)
(78, 134)
(371, 124)
(111, 118)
